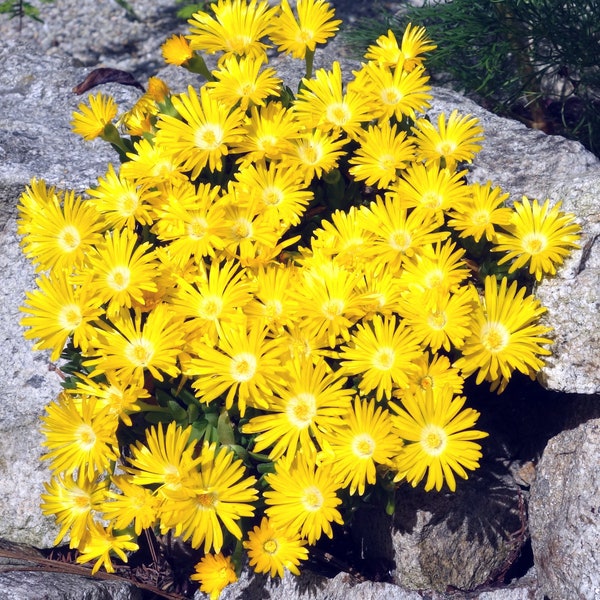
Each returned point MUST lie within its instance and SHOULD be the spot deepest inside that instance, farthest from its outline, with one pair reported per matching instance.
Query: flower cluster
(271, 306)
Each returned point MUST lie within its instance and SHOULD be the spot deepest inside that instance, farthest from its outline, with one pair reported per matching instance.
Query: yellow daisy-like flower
(166, 460)
(399, 234)
(235, 30)
(321, 102)
(310, 401)
(302, 499)
(176, 50)
(132, 504)
(239, 80)
(538, 235)
(315, 25)
(505, 335)
(123, 270)
(91, 120)
(383, 153)
(438, 438)
(121, 202)
(62, 235)
(434, 371)
(129, 347)
(245, 365)
(455, 140)
(214, 572)
(79, 437)
(72, 501)
(220, 495)
(407, 55)
(100, 543)
(268, 133)
(480, 212)
(58, 310)
(271, 550)
(314, 153)
(440, 320)
(394, 92)
(431, 189)
(204, 135)
(364, 439)
(381, 352)
(151, 164)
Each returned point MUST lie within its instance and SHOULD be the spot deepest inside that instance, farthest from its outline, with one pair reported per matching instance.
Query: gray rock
(564, 515)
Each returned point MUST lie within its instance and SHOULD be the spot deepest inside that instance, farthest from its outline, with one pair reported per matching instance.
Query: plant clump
(267, 311)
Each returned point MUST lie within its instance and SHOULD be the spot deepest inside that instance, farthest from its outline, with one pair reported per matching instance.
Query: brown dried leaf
(106, 75)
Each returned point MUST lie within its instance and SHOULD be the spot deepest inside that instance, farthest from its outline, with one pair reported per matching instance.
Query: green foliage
(186, 9)
(537, 60)
(20, 9)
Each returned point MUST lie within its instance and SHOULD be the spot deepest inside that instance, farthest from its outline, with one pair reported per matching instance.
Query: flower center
(494, 337)
(140, 353)
(387, 162)
(391, 96)
(363, 446)
(209, 137)
(270, 546)
(384, 359)
(119, 278)
(437, 320)
(426, 382)
(242, 229)
(445, 148)
(273, 309)
(128, 203)
(400, 240)
(480, 217)
(432, 200)
(534, 243)
(197, 228)
(69, 239)
(312, 499)
(81, 502)
(332, 308)
(210, 308)
(433, 440)
(301, 410)
(70, 317)
(272, 196)
(87, 437)
(310, 154)
(243, 366)
(338, 114)
(207, 500)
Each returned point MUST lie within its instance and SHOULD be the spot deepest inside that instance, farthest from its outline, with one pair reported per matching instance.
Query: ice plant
(267, 312)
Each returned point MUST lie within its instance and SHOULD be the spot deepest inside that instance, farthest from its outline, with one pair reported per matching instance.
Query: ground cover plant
(533, 60)
(267, 308)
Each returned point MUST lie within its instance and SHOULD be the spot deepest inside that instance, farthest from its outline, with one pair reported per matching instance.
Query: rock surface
(564, 514)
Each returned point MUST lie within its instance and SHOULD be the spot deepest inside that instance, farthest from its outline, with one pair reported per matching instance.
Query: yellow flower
(454, 140)
(383, 153)
(129, 347)
(431, 189)
(245, 365)
(121, 202)
(315, 25)
(133, 504)
(176, 50)
(268, 132)
(271, 551)
(72, 501)
(434, 371)
(204, 135)
(122, 270)
(166, 460)
(538, 235)
(381, 352)
(220, 495)
(91, 120)
(394, 92)
(151, 164)
(440, 320)
(100, 543)
(79, 438)
(61, 235)
(279, 192)
(302, 499)
(236, 28)
(322, 103)
(239, 81)
(214, 572)
(505, 335)
(399, 234)
(362, 440)
(311, 399)
(480, 211)
(407, 55)
(58, 310)
(438, 438)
